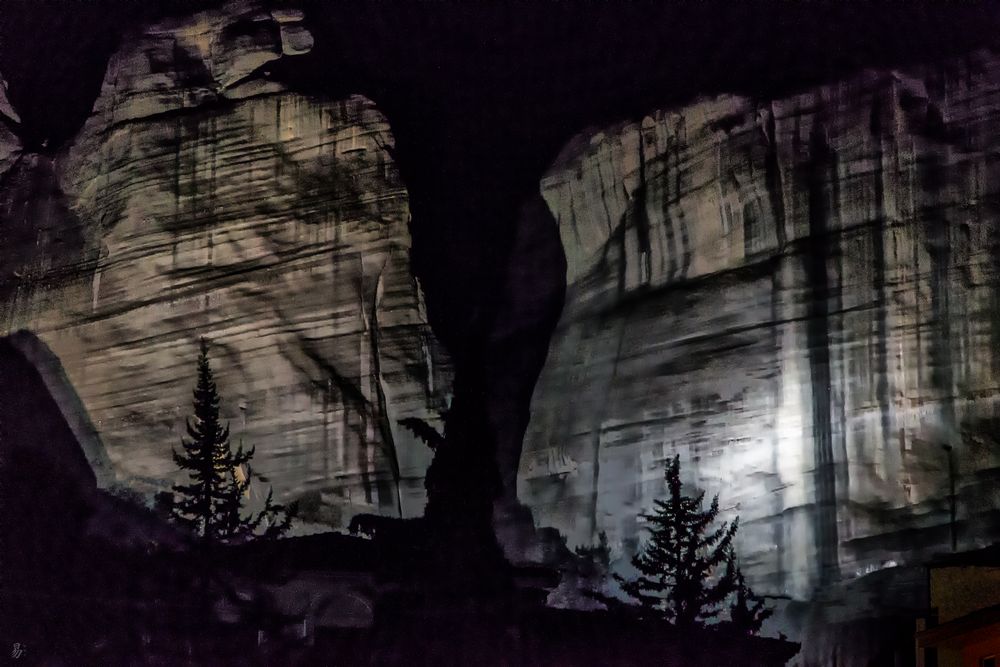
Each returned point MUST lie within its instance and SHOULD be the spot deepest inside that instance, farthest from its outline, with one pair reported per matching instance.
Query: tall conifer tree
(210, 506)
(686, 569)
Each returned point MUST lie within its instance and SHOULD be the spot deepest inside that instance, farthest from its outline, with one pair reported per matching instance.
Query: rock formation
(9, 120)
(201, 198)
(800, 298)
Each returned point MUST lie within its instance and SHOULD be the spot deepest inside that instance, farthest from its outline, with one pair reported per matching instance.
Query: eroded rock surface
(9, 120)
(201, 198)
(798, 297)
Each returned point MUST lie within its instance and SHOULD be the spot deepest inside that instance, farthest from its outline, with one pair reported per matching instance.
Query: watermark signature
(17, 650)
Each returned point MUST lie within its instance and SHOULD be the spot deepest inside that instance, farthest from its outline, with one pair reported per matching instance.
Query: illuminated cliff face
(203, 199)
(799, 298)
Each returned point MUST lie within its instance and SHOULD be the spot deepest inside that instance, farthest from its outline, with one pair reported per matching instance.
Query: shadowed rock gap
(822, 171)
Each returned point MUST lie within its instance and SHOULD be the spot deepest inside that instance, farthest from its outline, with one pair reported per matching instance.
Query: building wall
(957, 591)
(974, 653)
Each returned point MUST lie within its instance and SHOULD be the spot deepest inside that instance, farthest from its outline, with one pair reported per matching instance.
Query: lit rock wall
(800, 298)
(9, 121)
(203, 199)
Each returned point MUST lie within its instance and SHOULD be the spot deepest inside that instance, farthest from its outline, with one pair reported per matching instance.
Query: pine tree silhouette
(747, 611)
(686, 570)
(211, 505)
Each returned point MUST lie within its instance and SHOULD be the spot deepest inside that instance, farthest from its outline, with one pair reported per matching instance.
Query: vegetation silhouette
(211, 506)
(687, 570)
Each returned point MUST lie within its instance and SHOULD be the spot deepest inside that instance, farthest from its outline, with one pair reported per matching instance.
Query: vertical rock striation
(799, 297)
(201, 198)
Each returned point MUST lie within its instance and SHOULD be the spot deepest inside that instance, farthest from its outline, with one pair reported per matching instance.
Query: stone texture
(203, 199)
(10, 146)
(799, 297)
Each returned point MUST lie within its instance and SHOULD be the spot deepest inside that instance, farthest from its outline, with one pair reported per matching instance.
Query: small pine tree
(211, 505)
(747, 611)
(679, 578)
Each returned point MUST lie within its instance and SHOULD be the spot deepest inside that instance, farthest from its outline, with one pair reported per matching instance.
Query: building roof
(980, 624)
